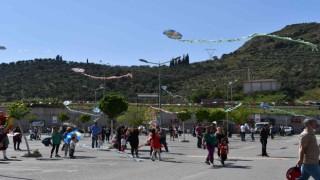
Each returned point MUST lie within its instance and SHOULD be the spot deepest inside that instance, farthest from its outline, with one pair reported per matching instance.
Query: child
(123, 143)
(224, 150)
(252, 133)
(56, 141)
(100, 140)
(72, 147)
(114, 142)
(66, 143)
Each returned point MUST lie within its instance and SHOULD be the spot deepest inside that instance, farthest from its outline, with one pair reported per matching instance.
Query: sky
(120, 32)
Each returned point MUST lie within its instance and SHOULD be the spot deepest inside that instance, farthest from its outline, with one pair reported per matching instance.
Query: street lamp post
(95, 92)
(159, 81)
(230, 84)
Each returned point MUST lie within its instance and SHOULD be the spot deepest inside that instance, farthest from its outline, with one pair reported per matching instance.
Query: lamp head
(143, 60)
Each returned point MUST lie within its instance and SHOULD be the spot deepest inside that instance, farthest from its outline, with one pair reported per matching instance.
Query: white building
(261, 85)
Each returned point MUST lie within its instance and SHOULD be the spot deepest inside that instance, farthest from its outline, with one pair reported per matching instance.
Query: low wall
(47, 114)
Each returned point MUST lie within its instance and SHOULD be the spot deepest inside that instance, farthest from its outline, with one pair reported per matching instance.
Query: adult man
(264, 134)
(309, 151)
(243, 129)
(95, 129)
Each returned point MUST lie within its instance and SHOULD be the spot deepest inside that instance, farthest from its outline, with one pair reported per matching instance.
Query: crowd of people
(210, 137)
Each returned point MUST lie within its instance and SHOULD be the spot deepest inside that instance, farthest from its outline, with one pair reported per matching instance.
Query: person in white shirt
(243, 129)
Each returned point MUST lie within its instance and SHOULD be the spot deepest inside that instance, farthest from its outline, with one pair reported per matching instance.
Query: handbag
(1, 144)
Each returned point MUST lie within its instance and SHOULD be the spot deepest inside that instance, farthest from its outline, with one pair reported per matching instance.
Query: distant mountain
(295, 65)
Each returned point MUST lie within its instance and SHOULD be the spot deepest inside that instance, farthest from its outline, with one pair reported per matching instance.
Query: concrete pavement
(184, 161)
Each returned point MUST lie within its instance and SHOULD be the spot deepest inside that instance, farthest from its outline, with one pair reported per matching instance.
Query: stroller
(46, 141)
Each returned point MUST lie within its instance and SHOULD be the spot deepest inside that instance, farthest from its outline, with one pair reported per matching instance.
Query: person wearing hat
(4, 142)
(309, 151)
(264, 135)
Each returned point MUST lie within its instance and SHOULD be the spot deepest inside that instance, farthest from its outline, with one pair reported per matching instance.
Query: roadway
(183, 162)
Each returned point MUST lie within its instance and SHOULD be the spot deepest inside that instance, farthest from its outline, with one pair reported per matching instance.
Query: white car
(288, 131)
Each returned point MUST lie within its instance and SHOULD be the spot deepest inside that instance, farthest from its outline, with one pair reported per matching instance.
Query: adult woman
(134, 141)
(220, 135)
(17, 135)
(4, 142)
(210, 140)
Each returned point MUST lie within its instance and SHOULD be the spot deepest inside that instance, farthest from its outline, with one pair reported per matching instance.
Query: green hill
(294, 65)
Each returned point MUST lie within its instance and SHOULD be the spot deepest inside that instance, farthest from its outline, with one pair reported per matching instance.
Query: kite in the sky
(2, 48)
(172, 34)
(79, 70)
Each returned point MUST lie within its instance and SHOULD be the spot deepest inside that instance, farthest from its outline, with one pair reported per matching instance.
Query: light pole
(159, 81)
(95, 92)
(230, 84)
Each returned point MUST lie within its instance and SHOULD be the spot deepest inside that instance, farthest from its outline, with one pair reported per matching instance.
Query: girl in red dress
(155, 144)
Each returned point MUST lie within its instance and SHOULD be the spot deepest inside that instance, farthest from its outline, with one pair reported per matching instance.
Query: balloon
(75, 133)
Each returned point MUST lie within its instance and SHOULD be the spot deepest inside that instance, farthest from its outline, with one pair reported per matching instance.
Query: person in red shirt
(224, 150)
(155, 144)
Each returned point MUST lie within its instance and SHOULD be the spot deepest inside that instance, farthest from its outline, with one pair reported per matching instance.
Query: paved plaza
(183, 161)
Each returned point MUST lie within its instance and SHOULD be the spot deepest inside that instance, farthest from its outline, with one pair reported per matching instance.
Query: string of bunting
(176, 96)
(267, 107)
(67, 103)
(233, 108)
(163, 110)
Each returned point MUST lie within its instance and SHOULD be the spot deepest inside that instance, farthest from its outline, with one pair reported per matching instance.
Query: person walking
(171, 132)
(72, 147)
(219, 135)
(224, 150)
(108, 133)
(163, 138)
(210, 140)
(66, 142)
(56, 141)
(17, 135)
(120, 132)
(4, 142)
(95, 129)
(252, 133)
(264, 134)
(243, 129)
(103, 133)
(309, 151)
(134, 141)
(199, 134)
(155, 144)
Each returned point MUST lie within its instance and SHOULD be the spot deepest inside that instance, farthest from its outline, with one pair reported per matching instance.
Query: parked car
(259, 126)
(288, 130)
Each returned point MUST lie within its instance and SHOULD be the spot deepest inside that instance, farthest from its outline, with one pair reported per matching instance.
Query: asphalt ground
(183, 161)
